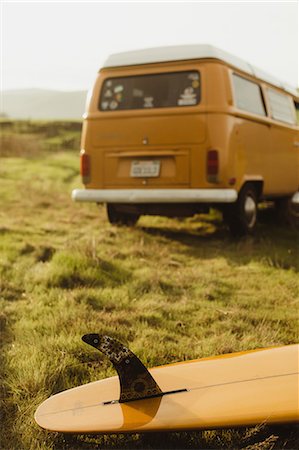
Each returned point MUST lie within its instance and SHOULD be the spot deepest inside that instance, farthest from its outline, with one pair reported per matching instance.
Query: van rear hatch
(148, 129)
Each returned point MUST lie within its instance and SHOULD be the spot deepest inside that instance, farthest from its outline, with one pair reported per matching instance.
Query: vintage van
(176, 130)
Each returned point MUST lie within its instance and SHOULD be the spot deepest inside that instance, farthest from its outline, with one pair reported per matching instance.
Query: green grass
(172, 290)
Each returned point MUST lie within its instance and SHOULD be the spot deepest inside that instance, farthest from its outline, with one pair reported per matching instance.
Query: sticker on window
(193, 76)
(113, 104)
(137, 93)
(118, 88)
(108, 93)
(188, 97)
(148, 102)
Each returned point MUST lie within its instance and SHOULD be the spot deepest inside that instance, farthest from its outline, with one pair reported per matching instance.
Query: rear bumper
(155, 195)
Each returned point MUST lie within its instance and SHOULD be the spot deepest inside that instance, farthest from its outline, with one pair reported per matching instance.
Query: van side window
(248, 95)
(281, 106)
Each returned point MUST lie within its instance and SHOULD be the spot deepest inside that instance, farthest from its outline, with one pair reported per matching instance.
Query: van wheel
(116, 217)
(241, 216)
(287, 213)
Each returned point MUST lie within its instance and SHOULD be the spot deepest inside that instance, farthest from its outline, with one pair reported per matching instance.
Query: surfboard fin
(136, 382)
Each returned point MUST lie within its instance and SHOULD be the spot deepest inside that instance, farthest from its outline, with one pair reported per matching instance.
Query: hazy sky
(61, 45)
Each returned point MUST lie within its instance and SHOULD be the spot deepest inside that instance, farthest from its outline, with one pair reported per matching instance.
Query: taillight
(85, 167)
(212, 166)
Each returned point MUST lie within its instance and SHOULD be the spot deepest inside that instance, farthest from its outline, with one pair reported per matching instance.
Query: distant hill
(42, 104)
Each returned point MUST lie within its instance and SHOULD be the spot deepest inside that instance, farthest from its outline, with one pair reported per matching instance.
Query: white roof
(187, 52)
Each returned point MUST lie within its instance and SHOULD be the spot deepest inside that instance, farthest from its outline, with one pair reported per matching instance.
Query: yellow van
(174, 131)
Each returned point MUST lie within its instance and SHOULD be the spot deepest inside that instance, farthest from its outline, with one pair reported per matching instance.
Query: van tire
(241, 216)
(120, 218)
(287, 213)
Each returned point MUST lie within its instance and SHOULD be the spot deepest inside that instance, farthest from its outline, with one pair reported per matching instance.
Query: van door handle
(296, 144)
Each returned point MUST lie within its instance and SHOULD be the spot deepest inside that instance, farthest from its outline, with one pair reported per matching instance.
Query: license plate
(145, 168)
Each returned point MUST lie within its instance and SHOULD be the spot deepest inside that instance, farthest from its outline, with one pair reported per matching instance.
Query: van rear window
(162, 90)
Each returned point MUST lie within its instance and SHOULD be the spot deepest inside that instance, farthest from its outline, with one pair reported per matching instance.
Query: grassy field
(171, 289)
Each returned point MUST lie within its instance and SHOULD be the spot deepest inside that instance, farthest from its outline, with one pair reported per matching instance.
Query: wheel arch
(257, 182)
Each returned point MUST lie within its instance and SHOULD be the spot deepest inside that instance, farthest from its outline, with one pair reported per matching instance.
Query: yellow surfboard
(237, 389)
